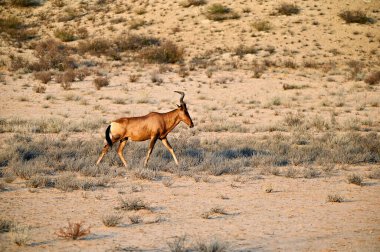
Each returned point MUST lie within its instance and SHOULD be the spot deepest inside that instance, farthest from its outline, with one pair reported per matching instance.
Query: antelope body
(152, 126)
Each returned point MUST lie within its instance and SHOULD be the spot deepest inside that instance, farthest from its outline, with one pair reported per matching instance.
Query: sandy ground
(294, 216)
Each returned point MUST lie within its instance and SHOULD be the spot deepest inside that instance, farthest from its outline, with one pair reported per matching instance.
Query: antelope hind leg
(104, 151)
(120, 151)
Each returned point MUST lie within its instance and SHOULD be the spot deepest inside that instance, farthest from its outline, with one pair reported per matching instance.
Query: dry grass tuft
(334, 198)
(135, 219)
(288, 9)
(20, 235)
(65, 34)
(101, 82)
(73, 231)
(168, 182)
(355, 179)
(43, 76)
(373, 78)
(178, 244)
(132, 204)
(375, 174)
(357, 16)
(166, 52)
(26, 3)
(215, 211)
(5, 225)
(262, 25)
(40, 89)
(111, 220)
(218, 12)
(188, 3)
(213, 246)
(52, 54)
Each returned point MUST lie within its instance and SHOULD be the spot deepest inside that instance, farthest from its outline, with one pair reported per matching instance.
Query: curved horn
(182, 96)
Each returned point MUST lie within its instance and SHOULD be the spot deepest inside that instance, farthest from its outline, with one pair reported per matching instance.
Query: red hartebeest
(152, 126)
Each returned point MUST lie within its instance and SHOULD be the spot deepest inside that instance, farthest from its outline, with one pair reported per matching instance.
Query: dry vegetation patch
(356, 16)
(74, 231)
(219, 12)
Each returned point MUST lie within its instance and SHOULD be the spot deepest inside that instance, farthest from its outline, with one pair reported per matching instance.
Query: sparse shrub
(213, 212)
(357, 16)
(276, 101)
(26, 3)
(66, 85)
(135, 219)
(188, 3)
(262, 25)
(58, 3)
(68, 14)
(40, 181)
(218, 12)
(111, 220)
(134, 77)
(178, 244)
(373, 78)
(213, 246)
(355, 179)
(20, 234)
(168, 182)
(136, 23)
(355, 69)
(311, 64)
(136, 42)
(131, 204)
(209, 72)
(73, 231)
(5, 225)
(15, 29)
(269, 189)
(291, 172)
(65, 34)
(18, 62)
(290, 64)
(288, 9)
(375, 174)
(242, 50)
(258, 70)
(155, 77)
(167, 52)
(82, 73)
(183, 71)
(52, 54)
(67, 182)
(40, 89)
(66, 79)
(101, 82)
(334, 198)
(44, 76)
(82, 33)
(97, 46)
(286, 86)
(310, 173)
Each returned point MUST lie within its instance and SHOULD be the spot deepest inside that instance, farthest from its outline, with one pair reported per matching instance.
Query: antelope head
(183, 113)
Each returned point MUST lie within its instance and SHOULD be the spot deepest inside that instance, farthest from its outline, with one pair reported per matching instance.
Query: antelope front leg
(170, 149)
(151, 146)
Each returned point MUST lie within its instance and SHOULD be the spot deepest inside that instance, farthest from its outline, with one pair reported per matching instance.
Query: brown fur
(152, 126)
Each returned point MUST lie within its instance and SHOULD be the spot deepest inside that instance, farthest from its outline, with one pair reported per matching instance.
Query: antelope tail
(108, 138)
